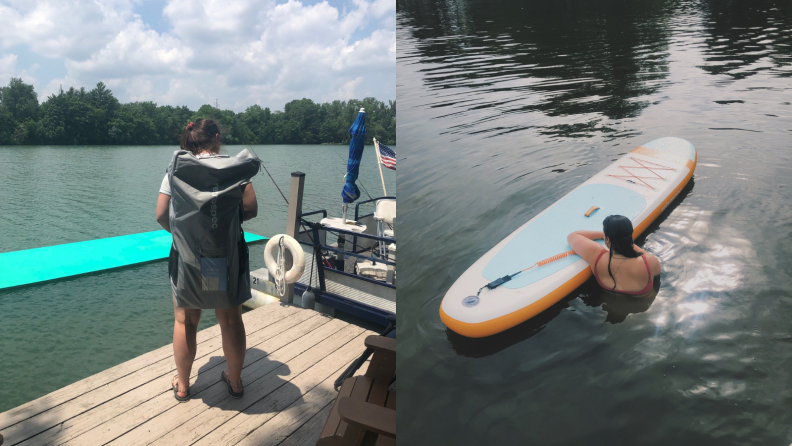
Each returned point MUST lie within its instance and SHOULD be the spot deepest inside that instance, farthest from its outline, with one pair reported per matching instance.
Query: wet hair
(619, 229)
(199, 136)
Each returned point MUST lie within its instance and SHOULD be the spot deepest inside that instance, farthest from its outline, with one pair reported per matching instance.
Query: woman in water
(202, 139)
(629, 269)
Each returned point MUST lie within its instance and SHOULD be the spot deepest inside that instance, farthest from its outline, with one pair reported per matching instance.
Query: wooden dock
(293, 357)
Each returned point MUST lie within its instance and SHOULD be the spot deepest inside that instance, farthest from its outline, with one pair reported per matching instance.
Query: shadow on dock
(294, 356)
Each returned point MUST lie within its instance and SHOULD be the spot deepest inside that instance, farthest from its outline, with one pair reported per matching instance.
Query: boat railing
(357, 206)
(320, 253)
(314, 241)
(359, 218)
(353, 294)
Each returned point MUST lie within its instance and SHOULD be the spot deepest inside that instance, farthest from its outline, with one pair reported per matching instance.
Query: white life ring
(297, 253)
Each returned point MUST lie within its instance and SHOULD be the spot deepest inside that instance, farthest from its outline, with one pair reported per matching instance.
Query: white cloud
(135, 51)
(246, 52)
(8, 69)
(60, 28)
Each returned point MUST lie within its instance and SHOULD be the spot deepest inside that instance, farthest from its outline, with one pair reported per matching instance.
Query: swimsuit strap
(595, 268)
(648, 271)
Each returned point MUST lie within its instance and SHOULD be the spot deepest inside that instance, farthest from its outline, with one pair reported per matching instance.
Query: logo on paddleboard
(470, 301)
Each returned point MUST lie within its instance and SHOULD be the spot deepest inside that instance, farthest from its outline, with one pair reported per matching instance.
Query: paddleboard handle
(593, 208)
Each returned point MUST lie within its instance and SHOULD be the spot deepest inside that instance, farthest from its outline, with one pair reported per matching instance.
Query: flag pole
(379, 164)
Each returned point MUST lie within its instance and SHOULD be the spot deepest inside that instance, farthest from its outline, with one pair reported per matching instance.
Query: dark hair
(618, 230)
(199, 136)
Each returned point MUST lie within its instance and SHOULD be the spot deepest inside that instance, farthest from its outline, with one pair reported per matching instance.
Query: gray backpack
(209, 262)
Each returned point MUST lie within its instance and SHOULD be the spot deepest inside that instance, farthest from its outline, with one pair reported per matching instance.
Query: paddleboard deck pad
(639, 185)
(35, 265)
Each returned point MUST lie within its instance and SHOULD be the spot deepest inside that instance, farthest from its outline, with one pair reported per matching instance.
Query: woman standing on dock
(202, 140)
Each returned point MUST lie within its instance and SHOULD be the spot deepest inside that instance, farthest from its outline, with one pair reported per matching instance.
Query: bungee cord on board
(642, 165)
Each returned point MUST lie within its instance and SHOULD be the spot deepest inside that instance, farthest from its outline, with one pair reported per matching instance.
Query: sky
(195, 52)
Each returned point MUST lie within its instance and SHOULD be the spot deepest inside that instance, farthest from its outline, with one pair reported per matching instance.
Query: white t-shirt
(165, 186)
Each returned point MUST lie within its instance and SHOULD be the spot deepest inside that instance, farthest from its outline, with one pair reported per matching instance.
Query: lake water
(54, 334)
(504, 107)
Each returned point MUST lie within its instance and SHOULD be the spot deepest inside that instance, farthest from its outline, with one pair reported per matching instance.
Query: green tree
(78, 116)
(21, 111)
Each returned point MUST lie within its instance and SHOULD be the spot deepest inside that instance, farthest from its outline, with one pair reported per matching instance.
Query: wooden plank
(378, 394)
(331, 427)
(385, 441)
(298, 413)
(163, 369)
(391, 404)
(303, 373)
(258, 318)
(308, 433)
(270, 338)
(100, 388)
(189, 421)
(359, 392)
(369, 417)
(160, 407)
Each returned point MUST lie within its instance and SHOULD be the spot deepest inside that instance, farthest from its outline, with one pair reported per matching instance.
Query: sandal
(177, 389)
(230, 387)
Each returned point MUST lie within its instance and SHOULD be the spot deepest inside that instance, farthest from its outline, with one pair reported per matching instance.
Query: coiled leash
(498, 282)
(280, 272)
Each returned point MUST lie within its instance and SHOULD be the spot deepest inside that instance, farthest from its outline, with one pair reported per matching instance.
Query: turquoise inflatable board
(71, 259)
(639, 185)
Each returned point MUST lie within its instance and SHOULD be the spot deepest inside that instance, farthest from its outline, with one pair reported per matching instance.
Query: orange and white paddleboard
(639, 185)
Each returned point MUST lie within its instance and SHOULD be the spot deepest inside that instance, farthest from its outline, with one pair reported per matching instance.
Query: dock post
(293, 224)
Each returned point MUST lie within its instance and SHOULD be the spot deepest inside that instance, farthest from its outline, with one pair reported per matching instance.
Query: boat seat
(366, 405)
(385, 210)
(385, 214)
(367, 268)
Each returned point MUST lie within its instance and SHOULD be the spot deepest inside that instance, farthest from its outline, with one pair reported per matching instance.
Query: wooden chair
(365, 407)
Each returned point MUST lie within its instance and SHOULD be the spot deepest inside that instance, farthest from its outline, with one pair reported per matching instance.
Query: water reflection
(745, 38)
(508, 106)
(619, 306)
(530, 64)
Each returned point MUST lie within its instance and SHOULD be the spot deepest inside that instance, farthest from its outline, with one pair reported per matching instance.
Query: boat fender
(297, 253)
(308, 299)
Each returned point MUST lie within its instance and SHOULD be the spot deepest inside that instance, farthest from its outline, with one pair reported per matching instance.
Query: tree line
(97, 117)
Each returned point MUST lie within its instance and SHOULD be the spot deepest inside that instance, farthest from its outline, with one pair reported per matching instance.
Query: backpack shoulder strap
(172, 167)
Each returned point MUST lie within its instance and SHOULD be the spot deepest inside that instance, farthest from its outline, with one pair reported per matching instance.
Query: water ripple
(507, 106)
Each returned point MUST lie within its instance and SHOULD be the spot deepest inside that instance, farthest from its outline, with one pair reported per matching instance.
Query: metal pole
(293, 224)
(379, 164)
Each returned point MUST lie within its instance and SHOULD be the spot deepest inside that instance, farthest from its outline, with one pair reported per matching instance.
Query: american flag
(388, 156)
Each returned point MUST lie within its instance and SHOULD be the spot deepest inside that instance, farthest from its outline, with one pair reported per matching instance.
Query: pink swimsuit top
(635, 293)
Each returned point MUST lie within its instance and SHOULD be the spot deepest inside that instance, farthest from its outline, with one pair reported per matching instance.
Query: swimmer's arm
(249, 202)
(591, 235)
(163, 204)
(582, 242)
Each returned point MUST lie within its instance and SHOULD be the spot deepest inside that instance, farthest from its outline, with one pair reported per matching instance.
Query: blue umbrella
(350, 192)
